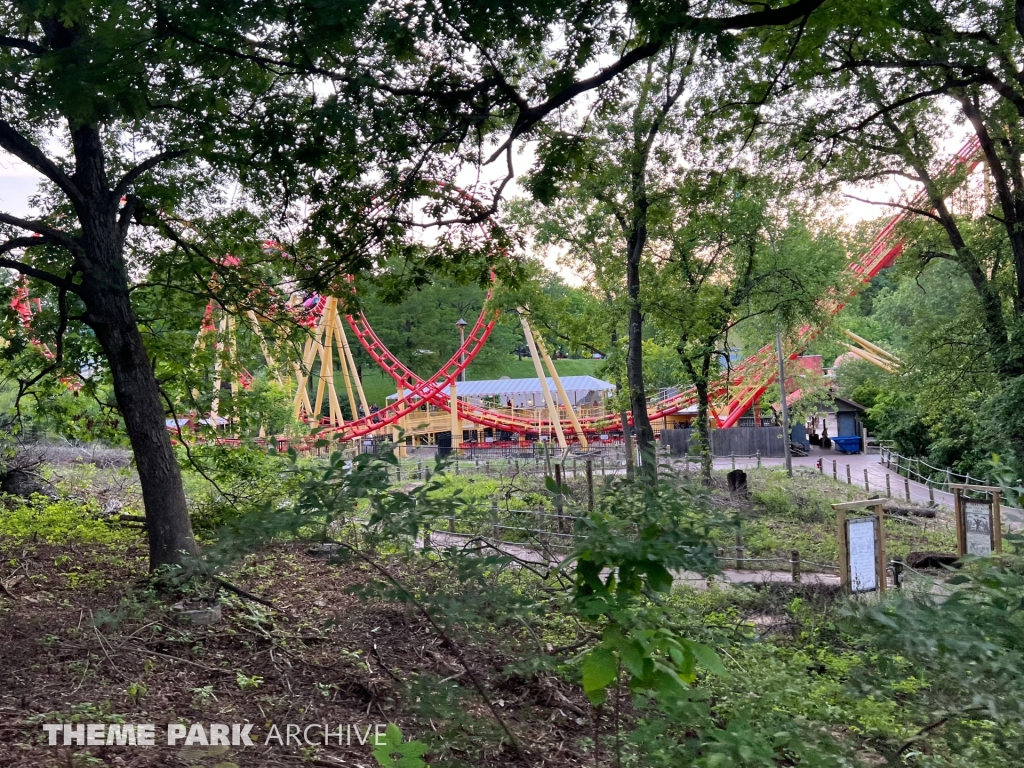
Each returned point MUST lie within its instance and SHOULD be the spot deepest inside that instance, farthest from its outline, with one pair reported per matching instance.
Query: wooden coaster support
(553, 416)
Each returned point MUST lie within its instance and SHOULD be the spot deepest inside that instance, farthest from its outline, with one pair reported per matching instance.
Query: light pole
(462, 342)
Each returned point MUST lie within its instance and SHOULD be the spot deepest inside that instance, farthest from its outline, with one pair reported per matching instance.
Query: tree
(620, 165)
(138, 116)
(738, 257)
(899, 79)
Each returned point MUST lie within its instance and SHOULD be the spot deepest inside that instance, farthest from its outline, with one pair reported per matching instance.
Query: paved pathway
(877, 472)
(551, 559)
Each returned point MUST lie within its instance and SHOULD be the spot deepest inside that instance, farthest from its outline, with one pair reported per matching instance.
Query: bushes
(60, 522)
(224, 483)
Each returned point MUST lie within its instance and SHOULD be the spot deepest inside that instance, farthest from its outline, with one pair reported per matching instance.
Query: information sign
(978, 527)
(861, 535)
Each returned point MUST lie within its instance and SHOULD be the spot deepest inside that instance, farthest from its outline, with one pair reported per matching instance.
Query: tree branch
(26, 151)
(530, 116)
(45, 230)
(144, 167)
(26, 269)
(25, 45)
(910, 208)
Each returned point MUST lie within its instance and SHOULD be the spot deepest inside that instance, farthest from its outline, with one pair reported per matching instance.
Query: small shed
(848, 413)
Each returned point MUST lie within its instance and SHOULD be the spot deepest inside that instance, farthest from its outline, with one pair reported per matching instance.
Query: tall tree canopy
(140, 116)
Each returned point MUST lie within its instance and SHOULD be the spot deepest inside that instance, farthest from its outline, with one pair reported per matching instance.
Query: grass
(785, 514)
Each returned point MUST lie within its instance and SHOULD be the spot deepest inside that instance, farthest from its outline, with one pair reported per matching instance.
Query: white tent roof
(505, 387)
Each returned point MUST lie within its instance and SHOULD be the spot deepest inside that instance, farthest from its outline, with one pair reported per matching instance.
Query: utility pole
(785, 407)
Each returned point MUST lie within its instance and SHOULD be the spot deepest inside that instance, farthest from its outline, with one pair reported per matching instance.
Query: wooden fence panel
(741, 441)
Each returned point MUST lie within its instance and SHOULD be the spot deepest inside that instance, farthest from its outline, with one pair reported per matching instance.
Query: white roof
(502, 387)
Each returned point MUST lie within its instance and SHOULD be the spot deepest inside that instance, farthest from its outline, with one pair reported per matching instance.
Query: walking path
(877, 472)
(551, 559)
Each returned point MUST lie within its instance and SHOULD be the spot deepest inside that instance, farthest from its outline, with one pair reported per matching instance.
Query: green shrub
(60, 522)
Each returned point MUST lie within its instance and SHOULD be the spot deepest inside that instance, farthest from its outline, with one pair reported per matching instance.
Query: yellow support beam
(553, 416)
(561, 393)
(872, 348)
(863, 354)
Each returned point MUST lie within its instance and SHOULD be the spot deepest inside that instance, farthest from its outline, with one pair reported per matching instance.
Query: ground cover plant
(480, 658)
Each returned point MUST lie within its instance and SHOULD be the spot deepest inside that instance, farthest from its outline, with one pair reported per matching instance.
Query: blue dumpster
(847, 444)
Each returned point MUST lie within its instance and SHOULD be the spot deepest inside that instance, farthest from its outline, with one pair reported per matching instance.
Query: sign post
(979, 524)
(862, 546)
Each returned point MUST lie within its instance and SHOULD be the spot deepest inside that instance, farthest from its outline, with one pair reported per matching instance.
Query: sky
(17, 184)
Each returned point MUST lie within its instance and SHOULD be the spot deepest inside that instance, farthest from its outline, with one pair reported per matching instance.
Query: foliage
(966, 650)
(62, 521)
(410, 753)
(226, 484)
(633, 541)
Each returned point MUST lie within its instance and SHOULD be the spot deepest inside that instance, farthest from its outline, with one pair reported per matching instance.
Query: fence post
(849, 480)
(888, 488)
(419, 468)
(835, 474)
(451, 523)
(542, 526)
(794, 564)
(906, 485)
(733, 457)
(931, 495)
(866, 479)
(947, 478)
(495, 531)
(590, 485)
(758, 459)
(602, 465)
(739, 548)
(398, 473)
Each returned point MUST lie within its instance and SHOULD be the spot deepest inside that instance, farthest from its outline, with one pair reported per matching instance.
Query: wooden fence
(737, 441)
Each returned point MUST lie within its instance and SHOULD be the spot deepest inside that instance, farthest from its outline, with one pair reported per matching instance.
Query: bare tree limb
(27, 269)
(909, 208)
(145, 166)
(25, 45)
(23, 149)
(43, 229)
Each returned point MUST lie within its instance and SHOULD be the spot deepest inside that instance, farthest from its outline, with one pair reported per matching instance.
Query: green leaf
(600, 669)
(708, 659)
(409, 754)
(659, 577)
(633, 658)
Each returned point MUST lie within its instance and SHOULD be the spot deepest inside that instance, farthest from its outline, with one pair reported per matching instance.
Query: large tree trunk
(108, 311)
(635, 360)
(707, 459)
(138, 398)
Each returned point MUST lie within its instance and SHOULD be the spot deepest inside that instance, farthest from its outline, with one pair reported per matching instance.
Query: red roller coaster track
(733, 393)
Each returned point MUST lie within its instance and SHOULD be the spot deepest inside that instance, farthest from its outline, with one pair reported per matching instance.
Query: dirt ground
(82, 641)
